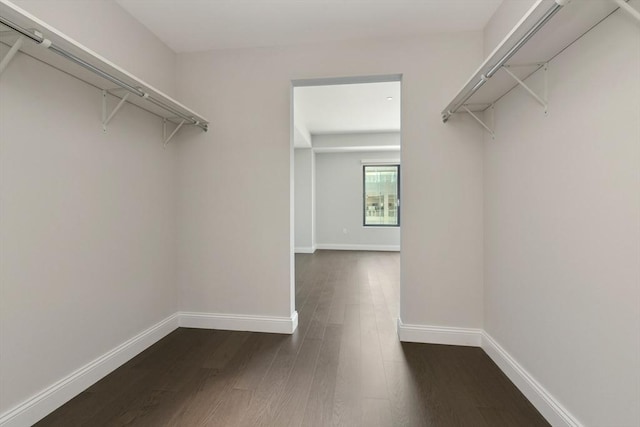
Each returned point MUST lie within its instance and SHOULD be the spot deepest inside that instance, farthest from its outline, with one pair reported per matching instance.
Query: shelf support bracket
(541, 100)
(106, 119)
(477, 119)
(164, 131)
(628, 8)
(12, 52)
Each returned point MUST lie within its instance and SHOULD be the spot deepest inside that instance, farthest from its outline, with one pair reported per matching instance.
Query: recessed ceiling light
(389, 98)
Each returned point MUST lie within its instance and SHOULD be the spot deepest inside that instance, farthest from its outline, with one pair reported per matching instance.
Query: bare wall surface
(562, 227)
(88, 219)
(234, 256)
(339, 200)
(304, 198)
(88, 227)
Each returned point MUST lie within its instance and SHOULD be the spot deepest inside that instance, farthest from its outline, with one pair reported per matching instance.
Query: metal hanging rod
(96, 70)
(36, 37)
(177, 113)
(557, 5)
(41, 40)
(628, 8)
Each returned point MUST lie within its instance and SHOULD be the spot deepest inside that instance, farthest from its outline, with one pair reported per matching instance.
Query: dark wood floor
(343, 366)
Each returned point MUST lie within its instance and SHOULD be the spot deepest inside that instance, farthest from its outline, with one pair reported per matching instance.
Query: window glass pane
(381, 202)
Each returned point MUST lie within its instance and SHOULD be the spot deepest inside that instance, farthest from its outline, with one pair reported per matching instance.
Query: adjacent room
(320, 213)
(346, 140)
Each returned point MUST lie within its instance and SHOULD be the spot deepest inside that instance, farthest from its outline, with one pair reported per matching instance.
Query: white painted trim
(380, 161)
(239, 322)
(549, 407)
(305, 249)
(439, 335)
(355, 149)
(346, 247)
(48, 400)
(40, 405)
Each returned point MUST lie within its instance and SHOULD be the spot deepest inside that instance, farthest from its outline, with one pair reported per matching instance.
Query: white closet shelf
(567, 22)
(143, 94)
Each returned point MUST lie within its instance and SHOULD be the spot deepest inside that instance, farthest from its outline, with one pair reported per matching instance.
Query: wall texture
(304, 184)
(339, 202)
(244, 162)
(88, 220)
(562, 227)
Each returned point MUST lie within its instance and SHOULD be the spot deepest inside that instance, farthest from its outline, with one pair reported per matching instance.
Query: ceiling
(198, 25)
(347, 108)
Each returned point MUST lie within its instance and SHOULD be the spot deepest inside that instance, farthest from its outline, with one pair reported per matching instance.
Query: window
(381, 195)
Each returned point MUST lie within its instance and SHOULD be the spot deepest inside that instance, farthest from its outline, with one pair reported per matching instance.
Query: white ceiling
(197, 25)
(347, 108)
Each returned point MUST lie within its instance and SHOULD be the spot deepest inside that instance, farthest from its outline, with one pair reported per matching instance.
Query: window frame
(364, 195)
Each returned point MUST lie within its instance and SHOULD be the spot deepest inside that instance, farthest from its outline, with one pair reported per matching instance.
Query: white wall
(247, 94)
(562, 227)
(88, 224)
(304, 184)
(339, 203)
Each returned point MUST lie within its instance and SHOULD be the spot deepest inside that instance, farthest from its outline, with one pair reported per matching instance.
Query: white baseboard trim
(304, 249)
(439, 335)
(556, 414)
(347, 247)
(48, 400)
(40, 405)
(237, 322)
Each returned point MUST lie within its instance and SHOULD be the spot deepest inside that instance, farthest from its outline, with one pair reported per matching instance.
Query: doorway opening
(346, 184)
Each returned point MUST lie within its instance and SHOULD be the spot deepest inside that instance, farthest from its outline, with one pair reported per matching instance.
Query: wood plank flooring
(344, 366)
